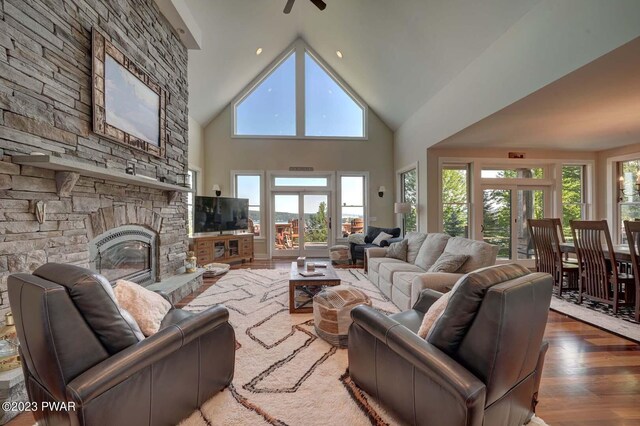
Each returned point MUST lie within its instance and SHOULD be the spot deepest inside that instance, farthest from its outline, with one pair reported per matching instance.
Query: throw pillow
(145, 306)
(356, 238)
(449, 262)
(383, 236)
(431, 316)
(398, 250)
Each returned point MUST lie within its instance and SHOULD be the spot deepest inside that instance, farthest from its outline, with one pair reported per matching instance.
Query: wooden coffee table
(302, 289)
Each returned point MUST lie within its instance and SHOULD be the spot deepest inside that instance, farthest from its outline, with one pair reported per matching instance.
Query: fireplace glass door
(127, 259)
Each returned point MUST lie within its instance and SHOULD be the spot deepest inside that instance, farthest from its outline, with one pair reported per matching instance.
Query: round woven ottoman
(332, 312)
(339, 253)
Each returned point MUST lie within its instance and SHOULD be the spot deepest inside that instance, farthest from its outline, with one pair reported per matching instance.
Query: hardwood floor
(591, 377)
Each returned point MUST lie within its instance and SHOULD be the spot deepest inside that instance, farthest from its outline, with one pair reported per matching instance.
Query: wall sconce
(216, 189)
(621, 191)
(381, 191)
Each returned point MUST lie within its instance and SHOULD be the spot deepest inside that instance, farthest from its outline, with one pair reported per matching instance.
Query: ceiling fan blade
(288, 6)
(319, 4)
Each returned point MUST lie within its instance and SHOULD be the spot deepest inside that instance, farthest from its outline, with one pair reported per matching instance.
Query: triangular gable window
(271, 106)
(329, 109)
(270, 109)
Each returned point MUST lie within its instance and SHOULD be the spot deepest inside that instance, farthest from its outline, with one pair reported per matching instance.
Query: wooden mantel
(68, 171)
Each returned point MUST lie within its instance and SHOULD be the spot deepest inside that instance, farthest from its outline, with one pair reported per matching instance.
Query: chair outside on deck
(357, 226)
(633, 238)
(600, 279)
(546, 243)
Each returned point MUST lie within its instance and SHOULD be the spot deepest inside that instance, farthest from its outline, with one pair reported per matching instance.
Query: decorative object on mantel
(216, 189)
(41, 211)
(9, 357)
(131, 168)
(190, 263)
(64, 165)
(122, 91)
(215, 269)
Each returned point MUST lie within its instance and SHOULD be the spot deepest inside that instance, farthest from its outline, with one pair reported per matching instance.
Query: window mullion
(300, 92)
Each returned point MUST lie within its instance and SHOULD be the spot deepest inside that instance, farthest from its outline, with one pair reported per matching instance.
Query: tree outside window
(629, 202)
(573, 203)
(455, 200)
(409, 194)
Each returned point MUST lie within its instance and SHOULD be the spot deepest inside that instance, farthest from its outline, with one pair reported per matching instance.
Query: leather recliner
(80, 349)
(480, 365)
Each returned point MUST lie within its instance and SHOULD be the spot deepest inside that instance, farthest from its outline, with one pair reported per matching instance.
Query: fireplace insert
(127, 252)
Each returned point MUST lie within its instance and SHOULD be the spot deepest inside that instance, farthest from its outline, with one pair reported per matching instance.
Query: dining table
(621, 251)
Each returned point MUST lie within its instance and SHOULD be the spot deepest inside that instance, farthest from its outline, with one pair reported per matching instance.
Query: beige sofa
(403, 281)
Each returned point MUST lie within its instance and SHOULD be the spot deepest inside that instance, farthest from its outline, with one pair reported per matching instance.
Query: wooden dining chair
(546, 244)
(632, 228)
(600, 280)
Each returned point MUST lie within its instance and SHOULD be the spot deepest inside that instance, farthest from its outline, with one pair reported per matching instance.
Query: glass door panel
(286, 217)
(497, 221)
(529, 205)
(316, 221)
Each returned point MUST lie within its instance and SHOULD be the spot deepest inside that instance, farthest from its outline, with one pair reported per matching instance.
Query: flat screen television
(217, 214)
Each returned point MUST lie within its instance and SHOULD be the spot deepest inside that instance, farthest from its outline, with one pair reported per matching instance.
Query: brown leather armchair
(78, 347)
(482, 362)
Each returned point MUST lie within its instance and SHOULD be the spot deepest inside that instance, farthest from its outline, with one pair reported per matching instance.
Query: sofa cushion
(375, 262)
(431, 250)
(449, 262)
(414, 243)
(92, 294)
(467, 295)
(398, 250)
(480, 253)
(402, 281)
(373, 231)
(387, 270)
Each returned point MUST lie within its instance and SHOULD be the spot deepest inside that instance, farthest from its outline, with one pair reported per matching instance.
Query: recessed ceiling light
(259, 51)
(181, 31)
(339, 53)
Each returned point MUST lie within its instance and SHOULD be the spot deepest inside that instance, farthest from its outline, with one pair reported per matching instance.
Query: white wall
(553, 39)
(196, 151)
(222, 153)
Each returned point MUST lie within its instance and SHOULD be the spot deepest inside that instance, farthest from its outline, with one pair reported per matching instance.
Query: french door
(301, 223)
(505, 211)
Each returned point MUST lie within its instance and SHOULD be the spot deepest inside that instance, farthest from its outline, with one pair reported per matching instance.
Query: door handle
(329, 222)
(482, 228)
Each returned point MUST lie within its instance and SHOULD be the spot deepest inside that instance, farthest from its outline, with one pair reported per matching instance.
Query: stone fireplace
(127, 252)
(77, 209)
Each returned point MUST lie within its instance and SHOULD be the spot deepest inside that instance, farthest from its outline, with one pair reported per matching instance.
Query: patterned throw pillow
(449, 262)
(383, 236)
(398, 250)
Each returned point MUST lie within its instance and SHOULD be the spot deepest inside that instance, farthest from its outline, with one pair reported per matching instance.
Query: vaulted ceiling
(397, 54)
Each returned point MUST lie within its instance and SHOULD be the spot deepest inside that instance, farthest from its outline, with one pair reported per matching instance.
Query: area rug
(597, 314)
(285, 374)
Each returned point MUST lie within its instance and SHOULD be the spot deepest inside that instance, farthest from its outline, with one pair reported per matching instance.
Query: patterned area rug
(285, 374)
(598, 314)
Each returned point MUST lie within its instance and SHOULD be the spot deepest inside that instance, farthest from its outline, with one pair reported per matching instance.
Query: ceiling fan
(319, 4)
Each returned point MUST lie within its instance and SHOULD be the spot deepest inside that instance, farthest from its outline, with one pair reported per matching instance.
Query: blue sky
(271, 108)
